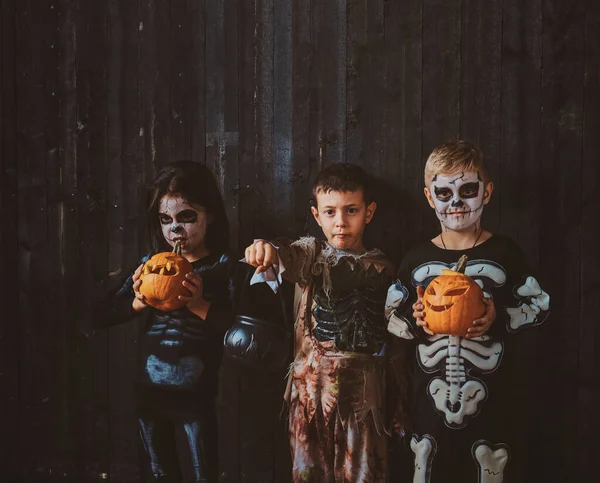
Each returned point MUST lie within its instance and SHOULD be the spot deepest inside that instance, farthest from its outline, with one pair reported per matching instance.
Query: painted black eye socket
(164, 219)
(187, 216)
(454, 292)
(443, 194)
(469, 190)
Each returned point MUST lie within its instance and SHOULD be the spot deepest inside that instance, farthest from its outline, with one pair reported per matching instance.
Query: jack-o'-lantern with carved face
(452, 301)
(162, 279)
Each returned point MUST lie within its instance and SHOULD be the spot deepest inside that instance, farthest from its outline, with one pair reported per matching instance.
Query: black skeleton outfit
(180, 355)
(469, 413)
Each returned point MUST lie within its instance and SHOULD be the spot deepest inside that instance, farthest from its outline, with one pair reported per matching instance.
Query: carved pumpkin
(453, 301)
(162, 279)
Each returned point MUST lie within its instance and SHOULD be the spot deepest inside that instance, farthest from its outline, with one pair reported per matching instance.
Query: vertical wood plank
(10, 328)
(588, 395)
(441, 72)
(182, 57)
(303, 51)
(481, 87)
(560, 220)
(282, 117)
(196, 77)
(42, 365)
(123, 190)
(328, 103)
(403, 172)
(85, 205)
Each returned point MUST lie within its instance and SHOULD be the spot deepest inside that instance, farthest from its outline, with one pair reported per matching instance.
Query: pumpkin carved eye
(431, 290)
(455, 292)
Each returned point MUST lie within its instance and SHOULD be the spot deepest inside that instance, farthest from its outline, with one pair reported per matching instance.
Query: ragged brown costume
(337, 424)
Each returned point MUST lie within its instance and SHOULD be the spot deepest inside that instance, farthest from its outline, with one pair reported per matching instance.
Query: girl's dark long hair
(195, 183)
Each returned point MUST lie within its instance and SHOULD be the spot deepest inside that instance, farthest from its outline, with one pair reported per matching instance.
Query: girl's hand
(195, 302)
(483, 323)
(261, 254)
(418, 313)
(138, 303)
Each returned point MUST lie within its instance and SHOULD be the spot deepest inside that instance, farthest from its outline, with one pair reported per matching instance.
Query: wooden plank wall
(96, 96)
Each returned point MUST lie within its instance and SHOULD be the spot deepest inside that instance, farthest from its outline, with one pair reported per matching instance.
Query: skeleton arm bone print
(533, 307)
(398, 325)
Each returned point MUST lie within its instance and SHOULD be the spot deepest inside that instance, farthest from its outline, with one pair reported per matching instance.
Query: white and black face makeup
(184, 223)
(458, 199)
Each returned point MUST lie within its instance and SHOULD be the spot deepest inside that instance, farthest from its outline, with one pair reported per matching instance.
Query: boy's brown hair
(342, 177)
(453, 157)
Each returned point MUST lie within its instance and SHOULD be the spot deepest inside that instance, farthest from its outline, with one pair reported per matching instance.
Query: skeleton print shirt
(469, 390)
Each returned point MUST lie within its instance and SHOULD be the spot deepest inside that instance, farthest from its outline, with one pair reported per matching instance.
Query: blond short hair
(454, 157)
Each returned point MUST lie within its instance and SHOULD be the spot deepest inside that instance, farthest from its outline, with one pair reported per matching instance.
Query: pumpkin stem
(462, 264)
(177, 248)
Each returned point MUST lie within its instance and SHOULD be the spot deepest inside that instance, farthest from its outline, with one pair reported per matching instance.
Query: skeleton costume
(469, 416)
(470, 404)
(178, 373)
(336, 386)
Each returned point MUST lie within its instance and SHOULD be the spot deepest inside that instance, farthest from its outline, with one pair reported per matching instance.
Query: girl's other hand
(195, 302)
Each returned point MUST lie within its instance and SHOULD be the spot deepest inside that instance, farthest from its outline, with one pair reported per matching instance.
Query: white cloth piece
(272, 277)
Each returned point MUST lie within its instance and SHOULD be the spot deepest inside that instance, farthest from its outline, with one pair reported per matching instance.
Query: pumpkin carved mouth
(168, 269)
(439, 308)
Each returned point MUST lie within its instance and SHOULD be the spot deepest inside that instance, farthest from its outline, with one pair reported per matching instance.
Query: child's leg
(312, 447)
(158, 437)
(360, 452)
(197, 432)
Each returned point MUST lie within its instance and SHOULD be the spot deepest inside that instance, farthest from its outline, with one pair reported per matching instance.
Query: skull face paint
(458, 199)
(184, 223)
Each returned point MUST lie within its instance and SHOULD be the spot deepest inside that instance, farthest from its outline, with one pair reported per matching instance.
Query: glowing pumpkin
(162, 279)
(453, 301)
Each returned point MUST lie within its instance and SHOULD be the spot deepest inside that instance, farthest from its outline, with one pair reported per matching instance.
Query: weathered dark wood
(124, 216)
(328, 103)
(195, 72)
(303, 51)
(86, 210)
(11, 333)
(562, 137)
(588, 393)
(97, 96)
(282, 115)
(481, 87)
(41, 362)
(403, 154)
(441, 72)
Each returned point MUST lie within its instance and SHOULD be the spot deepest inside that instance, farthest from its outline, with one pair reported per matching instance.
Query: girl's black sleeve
(116, 306)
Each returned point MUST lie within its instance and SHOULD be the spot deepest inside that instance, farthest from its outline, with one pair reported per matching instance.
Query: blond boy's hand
(261, 254)
(418, 313)
(483, 323)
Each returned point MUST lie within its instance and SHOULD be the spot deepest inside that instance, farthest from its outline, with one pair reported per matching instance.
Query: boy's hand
(483, 323)
(418, 313)
(195, 302)
(138, 303)
(261, 254)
